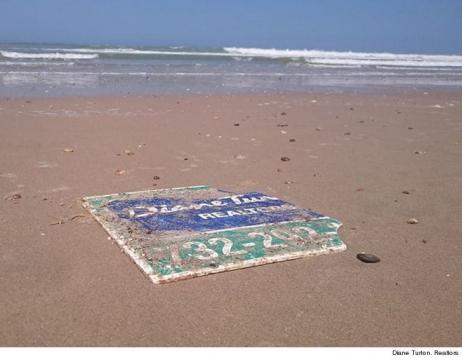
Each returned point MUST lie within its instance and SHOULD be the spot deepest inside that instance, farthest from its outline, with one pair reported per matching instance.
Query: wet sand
(373, 161)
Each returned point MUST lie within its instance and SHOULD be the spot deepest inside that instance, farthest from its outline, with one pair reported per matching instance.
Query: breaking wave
(318, 57)
(50, 56)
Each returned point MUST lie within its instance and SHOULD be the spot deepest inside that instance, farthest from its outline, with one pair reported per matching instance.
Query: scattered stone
(368, 258)
(129, 152)
(120, 172)
(13, 196)
(185, 159)
(405, 192)
(68, 150)
(285, 158)
(347, 133)
(283, 113)
(351, 109)
(360, 189)
(418, 152)
(291, 140)
(241, 157)
(318, 129)
(156, 177)
(278, 170)
(282, 125)
(413, 221)
(237, 124)
(410, 128)
(288, 182)
(283, 132)
(424, 241)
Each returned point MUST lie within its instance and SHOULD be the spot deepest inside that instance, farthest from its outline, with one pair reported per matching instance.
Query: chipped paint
(180, 233)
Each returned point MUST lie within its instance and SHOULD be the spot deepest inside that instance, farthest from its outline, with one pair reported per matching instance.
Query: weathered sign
(174, 234)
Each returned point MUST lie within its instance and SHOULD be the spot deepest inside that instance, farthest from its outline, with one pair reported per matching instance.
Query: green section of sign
(218, 249)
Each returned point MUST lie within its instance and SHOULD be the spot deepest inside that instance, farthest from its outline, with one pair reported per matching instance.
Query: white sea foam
(319, 57)
(36, 63)
(311, 57)
(131, 51)
(57, 55)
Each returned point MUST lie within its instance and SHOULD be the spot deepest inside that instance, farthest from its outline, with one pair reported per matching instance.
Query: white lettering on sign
(201, 251)
(249, 211)
(140, 211)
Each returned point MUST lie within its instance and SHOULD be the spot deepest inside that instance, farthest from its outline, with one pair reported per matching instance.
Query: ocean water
(55, 70)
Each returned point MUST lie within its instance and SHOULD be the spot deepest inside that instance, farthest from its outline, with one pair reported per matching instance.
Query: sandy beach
(373, 161)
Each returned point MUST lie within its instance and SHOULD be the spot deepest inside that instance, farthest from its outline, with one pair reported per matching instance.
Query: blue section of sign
(176, 214)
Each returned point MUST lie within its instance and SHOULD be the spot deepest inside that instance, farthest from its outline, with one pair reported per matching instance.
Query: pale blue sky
(404, 26)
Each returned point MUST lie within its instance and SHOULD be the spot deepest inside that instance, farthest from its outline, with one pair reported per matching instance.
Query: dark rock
(368, 258)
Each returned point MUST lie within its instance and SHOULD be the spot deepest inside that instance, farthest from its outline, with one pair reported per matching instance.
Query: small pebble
(283, 113)
(405, 192)
(129, 152)
(318, 129)
(68, 150)
(413, 221)
(285, 158)
(237, 124)
(120, 172)
(156, 177)
(291, 140)
(368, 258)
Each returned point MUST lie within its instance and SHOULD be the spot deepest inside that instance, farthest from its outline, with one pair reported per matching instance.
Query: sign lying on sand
(181, 233)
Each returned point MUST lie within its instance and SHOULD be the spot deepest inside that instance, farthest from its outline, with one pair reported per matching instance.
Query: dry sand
(63, 283)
